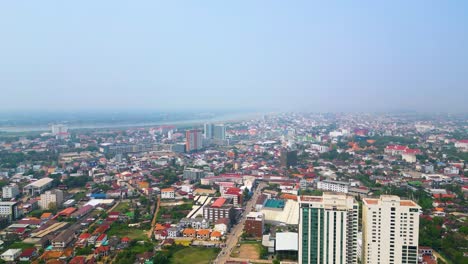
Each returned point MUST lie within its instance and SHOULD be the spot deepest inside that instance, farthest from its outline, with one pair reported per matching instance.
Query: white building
(333, 186)
(11, 254)
(49, 198)
(390, 229)
(10, 191)
(9, 210)
(409, 157)
(38, 187)
(328, 227)
(168, 193)
(59, 129)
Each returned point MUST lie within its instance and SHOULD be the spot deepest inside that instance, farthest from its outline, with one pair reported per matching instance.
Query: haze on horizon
(266, 55)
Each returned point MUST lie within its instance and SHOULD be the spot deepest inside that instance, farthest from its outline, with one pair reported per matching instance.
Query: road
(153, 223)
(236, 231)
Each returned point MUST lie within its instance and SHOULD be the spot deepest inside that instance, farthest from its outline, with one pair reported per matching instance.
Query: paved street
(236, 231)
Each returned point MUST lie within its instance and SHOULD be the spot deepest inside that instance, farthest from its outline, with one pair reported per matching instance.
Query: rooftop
(273, 203)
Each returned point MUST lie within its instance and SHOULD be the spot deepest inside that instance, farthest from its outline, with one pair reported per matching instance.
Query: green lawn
(194, 255)
(122, 208)
(122, 230)
(21, 245)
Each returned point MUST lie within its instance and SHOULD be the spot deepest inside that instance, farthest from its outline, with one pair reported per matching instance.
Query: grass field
(194, 255)
(122, 230)
(122, 208)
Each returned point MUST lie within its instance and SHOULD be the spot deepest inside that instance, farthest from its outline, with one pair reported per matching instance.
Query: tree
(160, 258)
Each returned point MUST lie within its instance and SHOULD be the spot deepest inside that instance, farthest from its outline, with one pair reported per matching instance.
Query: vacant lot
(194, 255)
(247, 251)
(122, 230)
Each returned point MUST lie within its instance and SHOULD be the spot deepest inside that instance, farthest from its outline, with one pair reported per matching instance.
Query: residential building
(9, 210)
(219, 209)
(11, 254)
(49, 198)
(208, 131)
(333, 186)
(10, 191)
(59, 129)
(193, 174)
(390, 229)
(254, 224)
(219, 132)
(235, 194)
(168, 193)
(194, 140)
(328, 227)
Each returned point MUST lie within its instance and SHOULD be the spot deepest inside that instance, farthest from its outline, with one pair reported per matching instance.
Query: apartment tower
(328, 227)
(390, 230)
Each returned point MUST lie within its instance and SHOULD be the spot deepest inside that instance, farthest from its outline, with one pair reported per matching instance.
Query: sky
(262, 55)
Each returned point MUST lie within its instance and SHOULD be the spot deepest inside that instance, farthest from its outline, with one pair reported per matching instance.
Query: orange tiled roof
(189, 231)
(159, 227)
(203, 232)
(46, 215)
(216, 234)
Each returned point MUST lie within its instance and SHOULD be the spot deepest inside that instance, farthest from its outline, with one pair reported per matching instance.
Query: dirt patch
(249, 251)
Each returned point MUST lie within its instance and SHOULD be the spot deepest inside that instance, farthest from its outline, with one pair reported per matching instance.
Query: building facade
(168, 193)
(254, 224)
(9, 210)
(333, 186)
(390, 229)
(328, 227)
(193, 174)
(54, 197)
(10, 191)
(288, 158)
(193, 140)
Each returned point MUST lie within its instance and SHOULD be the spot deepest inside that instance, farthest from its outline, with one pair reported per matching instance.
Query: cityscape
(281, 188)
(234, 132)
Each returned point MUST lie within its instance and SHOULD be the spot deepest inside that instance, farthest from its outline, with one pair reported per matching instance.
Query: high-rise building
(194, 140)
(59, 129)
(390, 230)
(328, 227)
(219, 132)
(208, 131)
(288, 158)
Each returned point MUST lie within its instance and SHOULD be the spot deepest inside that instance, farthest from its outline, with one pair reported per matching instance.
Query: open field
(122, 207)
(194, 255)
(247, 251)
(122, 230)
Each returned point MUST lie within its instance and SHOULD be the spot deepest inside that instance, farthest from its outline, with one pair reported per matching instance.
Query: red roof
(233, 190)
(396, 147)
(412, 151)
(219, 202)
(28, 252)
(101, 237)
(84, 236)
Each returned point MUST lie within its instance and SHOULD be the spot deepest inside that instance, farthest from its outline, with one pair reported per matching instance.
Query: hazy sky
(304, 55)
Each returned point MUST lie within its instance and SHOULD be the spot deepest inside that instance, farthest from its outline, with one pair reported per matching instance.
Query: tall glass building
(328, 228)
